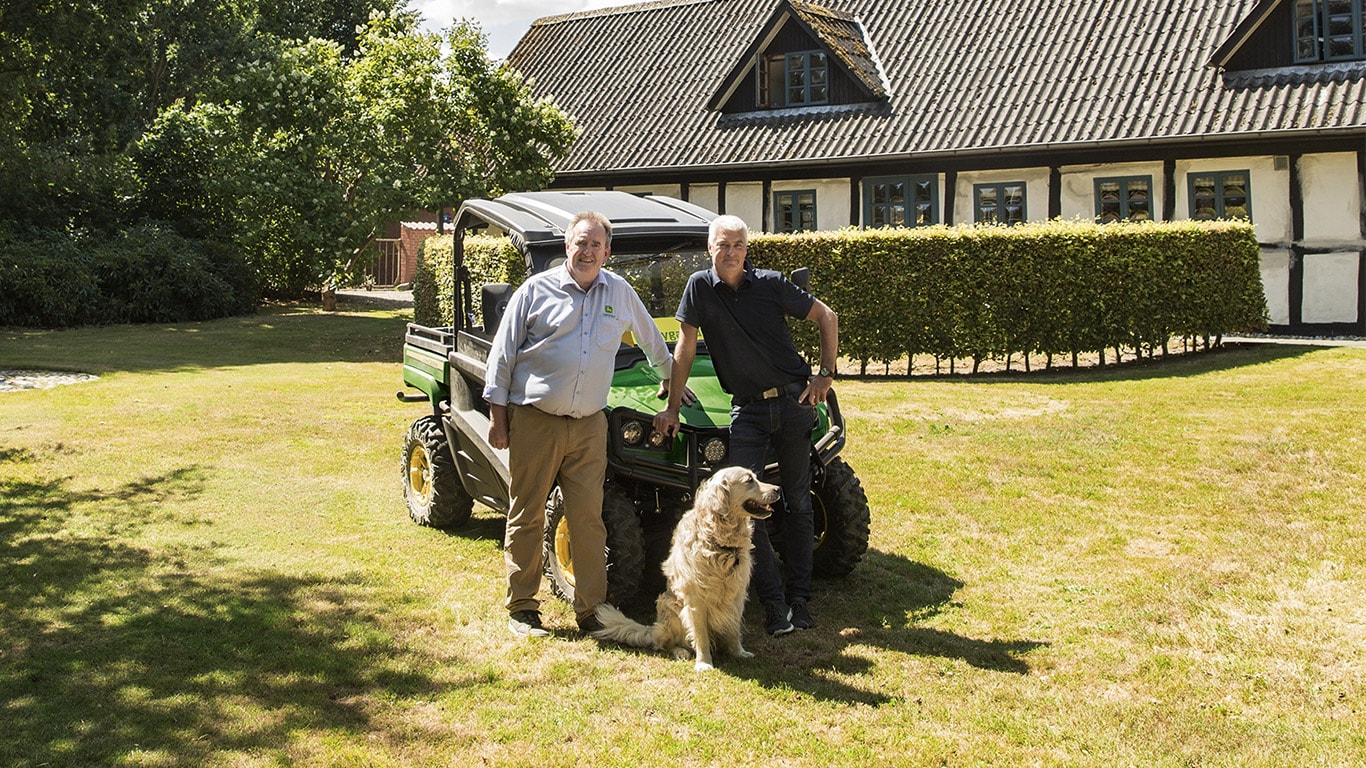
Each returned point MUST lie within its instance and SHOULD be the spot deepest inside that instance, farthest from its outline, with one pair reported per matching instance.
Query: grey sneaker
(527, 624)
(800, 617)
(777, 619)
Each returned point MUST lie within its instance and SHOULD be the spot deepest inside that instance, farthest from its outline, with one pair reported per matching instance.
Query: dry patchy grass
(205, 561)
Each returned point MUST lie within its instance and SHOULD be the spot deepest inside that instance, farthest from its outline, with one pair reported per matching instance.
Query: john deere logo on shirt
(609, 309)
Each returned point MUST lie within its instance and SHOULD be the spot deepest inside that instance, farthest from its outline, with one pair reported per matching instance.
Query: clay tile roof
(960, 78)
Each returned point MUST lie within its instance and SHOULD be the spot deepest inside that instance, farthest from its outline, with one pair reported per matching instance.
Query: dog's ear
(712, 494)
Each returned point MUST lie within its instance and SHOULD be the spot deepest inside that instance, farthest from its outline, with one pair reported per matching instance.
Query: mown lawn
(205, 560)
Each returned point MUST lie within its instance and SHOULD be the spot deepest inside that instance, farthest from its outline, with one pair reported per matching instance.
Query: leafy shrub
(489, 260)
(54, 280)
(977, 293)
(1054, 288)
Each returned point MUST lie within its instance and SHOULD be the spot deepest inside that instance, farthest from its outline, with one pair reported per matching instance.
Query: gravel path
(14, 380)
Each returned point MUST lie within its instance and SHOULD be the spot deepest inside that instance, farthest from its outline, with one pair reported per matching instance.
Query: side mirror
(802, 277)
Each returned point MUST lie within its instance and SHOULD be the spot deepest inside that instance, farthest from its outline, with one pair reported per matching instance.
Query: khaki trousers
(543, 450)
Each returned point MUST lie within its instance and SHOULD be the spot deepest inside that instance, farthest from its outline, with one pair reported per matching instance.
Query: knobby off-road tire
(625, 547)
(841, 514)
(431, 483)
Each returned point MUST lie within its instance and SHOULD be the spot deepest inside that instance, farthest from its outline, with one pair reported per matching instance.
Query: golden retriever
(707, 570)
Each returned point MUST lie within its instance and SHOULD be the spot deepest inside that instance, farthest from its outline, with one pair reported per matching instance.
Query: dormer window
(1328, 30)
(793, 79)
(805, 60)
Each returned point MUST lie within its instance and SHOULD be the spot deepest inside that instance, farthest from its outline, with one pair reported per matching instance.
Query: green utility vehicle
(448, 464)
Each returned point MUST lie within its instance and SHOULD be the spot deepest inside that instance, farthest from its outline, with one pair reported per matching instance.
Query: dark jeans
(785, 425)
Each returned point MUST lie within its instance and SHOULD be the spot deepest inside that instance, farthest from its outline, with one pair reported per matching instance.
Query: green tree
(324, 150)
(81, 82)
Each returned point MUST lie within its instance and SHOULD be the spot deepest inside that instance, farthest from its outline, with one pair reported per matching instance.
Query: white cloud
(504, 21)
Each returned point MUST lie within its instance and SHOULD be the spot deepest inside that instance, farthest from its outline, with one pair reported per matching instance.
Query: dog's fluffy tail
(619, 627)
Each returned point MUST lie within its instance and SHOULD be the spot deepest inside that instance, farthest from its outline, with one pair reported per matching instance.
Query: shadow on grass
(111, 652)
(878, 605)
(277, 334)
(1230, 356)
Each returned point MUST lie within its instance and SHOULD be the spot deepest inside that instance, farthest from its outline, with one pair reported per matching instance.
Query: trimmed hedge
(145, 275)
(1051, 288)
(979, 293)
(489, 260)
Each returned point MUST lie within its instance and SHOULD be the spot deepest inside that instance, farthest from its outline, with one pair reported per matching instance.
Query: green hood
(636, 388)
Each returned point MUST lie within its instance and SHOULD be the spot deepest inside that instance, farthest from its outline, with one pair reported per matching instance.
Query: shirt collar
(567, 280)
(717, 282)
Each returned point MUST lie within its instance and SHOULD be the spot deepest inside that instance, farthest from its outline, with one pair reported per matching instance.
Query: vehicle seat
(493, 302)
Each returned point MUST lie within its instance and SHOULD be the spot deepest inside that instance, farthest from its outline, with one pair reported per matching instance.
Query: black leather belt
(795, 388)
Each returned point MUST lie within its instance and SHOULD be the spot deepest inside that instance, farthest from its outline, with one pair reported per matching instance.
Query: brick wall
(411, 235)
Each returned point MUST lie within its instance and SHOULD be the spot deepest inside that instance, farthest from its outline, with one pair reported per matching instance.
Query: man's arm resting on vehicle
(824, 317)
(685, 350)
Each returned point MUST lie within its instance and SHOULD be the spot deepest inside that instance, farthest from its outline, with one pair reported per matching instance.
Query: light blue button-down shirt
(556, 345)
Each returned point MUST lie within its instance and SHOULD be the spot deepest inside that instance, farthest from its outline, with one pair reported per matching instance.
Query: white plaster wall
(668, 190)
(706, 195)
(1275, 267)
(1270, 192)
(1330, 287)
(832, 200)
(1079, 187)
(1332, 199)
(1036, 192)
(746, 200)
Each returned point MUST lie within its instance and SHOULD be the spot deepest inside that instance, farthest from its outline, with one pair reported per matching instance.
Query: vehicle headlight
(632, 433)
(655, 440)
(714, 450)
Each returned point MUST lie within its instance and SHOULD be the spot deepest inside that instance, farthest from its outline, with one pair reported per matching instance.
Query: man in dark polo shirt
(743, 312)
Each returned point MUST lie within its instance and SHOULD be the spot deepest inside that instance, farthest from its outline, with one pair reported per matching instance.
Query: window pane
(924, 192)
(1203, 198)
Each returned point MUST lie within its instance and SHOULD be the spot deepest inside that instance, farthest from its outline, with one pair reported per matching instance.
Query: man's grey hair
(727, 222)
(593, 216)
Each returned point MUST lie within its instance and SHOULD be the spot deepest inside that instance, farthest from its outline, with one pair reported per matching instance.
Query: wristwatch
(826, 372)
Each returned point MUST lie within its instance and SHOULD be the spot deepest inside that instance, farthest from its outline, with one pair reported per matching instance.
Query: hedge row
(981, 293)
(1051, 288)
(145, 275)
(488, 259)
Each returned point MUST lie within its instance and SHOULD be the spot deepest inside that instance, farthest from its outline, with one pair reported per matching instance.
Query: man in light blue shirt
(546, 382)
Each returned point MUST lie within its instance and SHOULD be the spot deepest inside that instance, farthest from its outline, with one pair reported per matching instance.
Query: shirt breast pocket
(607, 334)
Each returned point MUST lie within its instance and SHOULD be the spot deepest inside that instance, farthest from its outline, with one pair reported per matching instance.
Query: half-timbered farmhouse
(871, 113)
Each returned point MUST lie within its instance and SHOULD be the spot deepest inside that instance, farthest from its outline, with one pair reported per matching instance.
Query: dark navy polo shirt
(746, 329)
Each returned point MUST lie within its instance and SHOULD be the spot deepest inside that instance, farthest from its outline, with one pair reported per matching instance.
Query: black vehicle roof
(541, 218)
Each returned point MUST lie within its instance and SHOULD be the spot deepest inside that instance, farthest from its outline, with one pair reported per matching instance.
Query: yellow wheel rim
(420, 474)
(563, 552)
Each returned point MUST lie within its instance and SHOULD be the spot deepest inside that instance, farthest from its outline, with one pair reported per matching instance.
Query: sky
(503, 21)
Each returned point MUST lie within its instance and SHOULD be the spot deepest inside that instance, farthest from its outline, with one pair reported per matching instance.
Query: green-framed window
(1002, 203)
(795, 79)
(794, 211)
(901, 201)
(1124, 198)
(1329, 30)
(1221, 195)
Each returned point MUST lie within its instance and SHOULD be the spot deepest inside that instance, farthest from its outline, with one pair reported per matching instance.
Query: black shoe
(526, 624)
(777, 619)
(590, 624)
(801, 618)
